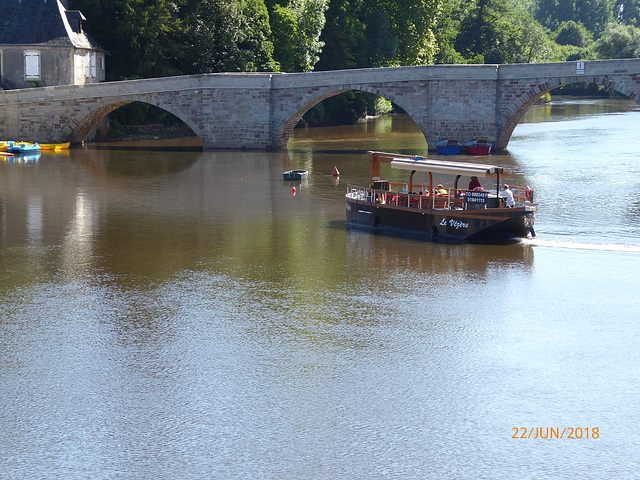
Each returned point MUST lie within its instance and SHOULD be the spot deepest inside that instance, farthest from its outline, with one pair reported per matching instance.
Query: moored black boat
(295, 175)
(440, 214)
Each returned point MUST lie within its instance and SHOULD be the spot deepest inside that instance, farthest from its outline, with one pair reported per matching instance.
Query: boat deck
(452, 200)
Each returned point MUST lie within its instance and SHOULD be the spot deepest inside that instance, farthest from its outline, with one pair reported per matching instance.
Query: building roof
(42, 22)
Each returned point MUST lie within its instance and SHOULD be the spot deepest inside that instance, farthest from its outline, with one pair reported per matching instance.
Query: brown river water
(181, 315)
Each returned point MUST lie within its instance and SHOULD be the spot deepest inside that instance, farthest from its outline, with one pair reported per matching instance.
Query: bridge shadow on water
(355, 151)
(147, 148)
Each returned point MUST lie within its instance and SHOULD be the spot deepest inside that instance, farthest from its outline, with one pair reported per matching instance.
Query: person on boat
(508, 196)
(440, 190)
(474, 183)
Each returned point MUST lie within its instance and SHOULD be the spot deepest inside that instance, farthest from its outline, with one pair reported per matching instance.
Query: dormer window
(75, 19)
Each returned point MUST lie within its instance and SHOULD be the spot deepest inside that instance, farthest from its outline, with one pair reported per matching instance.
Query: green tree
(381, 44)
(296, 27)
(343, 37)
(627, 12)
(226, 36)
(572, 33)
(285, 32)
(140, 35)
(446, 32)
(619, 41)
(496, 31)
(412, 23)
(593, 14)
(366, 33)
(310, 19)
(254, 39)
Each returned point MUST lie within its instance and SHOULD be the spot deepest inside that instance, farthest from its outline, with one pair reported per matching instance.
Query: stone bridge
(260, 110)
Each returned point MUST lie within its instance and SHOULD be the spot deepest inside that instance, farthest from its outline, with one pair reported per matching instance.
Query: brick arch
(519, 107)
(286, 130)
(88, 118)
(411, 108)
(84, 126)
(300, 108)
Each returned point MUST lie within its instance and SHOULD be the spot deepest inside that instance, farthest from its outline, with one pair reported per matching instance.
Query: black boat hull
(492, 225)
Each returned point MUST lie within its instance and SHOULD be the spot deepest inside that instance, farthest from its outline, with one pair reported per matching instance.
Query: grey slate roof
(42, 22)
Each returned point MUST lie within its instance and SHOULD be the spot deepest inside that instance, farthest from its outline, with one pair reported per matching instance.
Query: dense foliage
(151, 38)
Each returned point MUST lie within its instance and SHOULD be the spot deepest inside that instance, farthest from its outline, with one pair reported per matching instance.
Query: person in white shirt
(508, 196)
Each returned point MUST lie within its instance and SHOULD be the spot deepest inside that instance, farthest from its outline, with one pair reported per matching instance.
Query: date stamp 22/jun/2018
(570, 433)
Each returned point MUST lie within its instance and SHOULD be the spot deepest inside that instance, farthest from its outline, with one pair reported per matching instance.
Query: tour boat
(480, 146)
(295, 175)
(447, 214)
(448, 146)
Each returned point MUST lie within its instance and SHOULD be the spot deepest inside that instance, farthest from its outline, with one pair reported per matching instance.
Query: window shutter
(32, 65)
(93, 64)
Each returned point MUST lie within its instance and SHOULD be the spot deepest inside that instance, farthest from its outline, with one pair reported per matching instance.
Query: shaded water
(183, 315)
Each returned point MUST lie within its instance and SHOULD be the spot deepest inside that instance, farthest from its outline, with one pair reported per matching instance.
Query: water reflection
(571, 108)
(394, 133)
(77, 245)
(448, 263)
(185, 316)
(34, 219)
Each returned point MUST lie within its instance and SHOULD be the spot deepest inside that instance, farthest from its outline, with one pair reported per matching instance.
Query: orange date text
(552, 433)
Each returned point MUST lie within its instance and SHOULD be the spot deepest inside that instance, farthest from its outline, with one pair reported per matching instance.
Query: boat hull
(478, 147)
(21, 148)
(55, 146)
(295, 175)
(478, 150)
(494, 225)
(448, 150)
(449, 146)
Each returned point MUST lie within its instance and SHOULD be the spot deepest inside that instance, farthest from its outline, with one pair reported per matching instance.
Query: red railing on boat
(425, 200)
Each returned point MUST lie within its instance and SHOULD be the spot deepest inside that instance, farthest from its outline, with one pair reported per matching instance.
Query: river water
(183, 315)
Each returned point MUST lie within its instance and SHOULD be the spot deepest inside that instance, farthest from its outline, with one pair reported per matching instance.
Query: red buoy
(335, 172)
(293, 190)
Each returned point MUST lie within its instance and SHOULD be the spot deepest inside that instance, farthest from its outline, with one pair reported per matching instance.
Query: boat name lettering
(454, 223)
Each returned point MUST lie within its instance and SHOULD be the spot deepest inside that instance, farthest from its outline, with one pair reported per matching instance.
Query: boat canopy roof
(420, 164)
(423, 164)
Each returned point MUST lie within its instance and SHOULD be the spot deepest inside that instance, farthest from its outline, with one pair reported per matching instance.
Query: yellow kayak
(4, 145)
(55, 146)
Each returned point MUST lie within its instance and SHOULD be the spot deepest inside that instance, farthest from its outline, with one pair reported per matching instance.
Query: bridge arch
(90, 116)
(519, 107)
(298, 109)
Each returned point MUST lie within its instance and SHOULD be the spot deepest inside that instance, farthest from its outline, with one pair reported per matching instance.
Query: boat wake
(602, 247)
